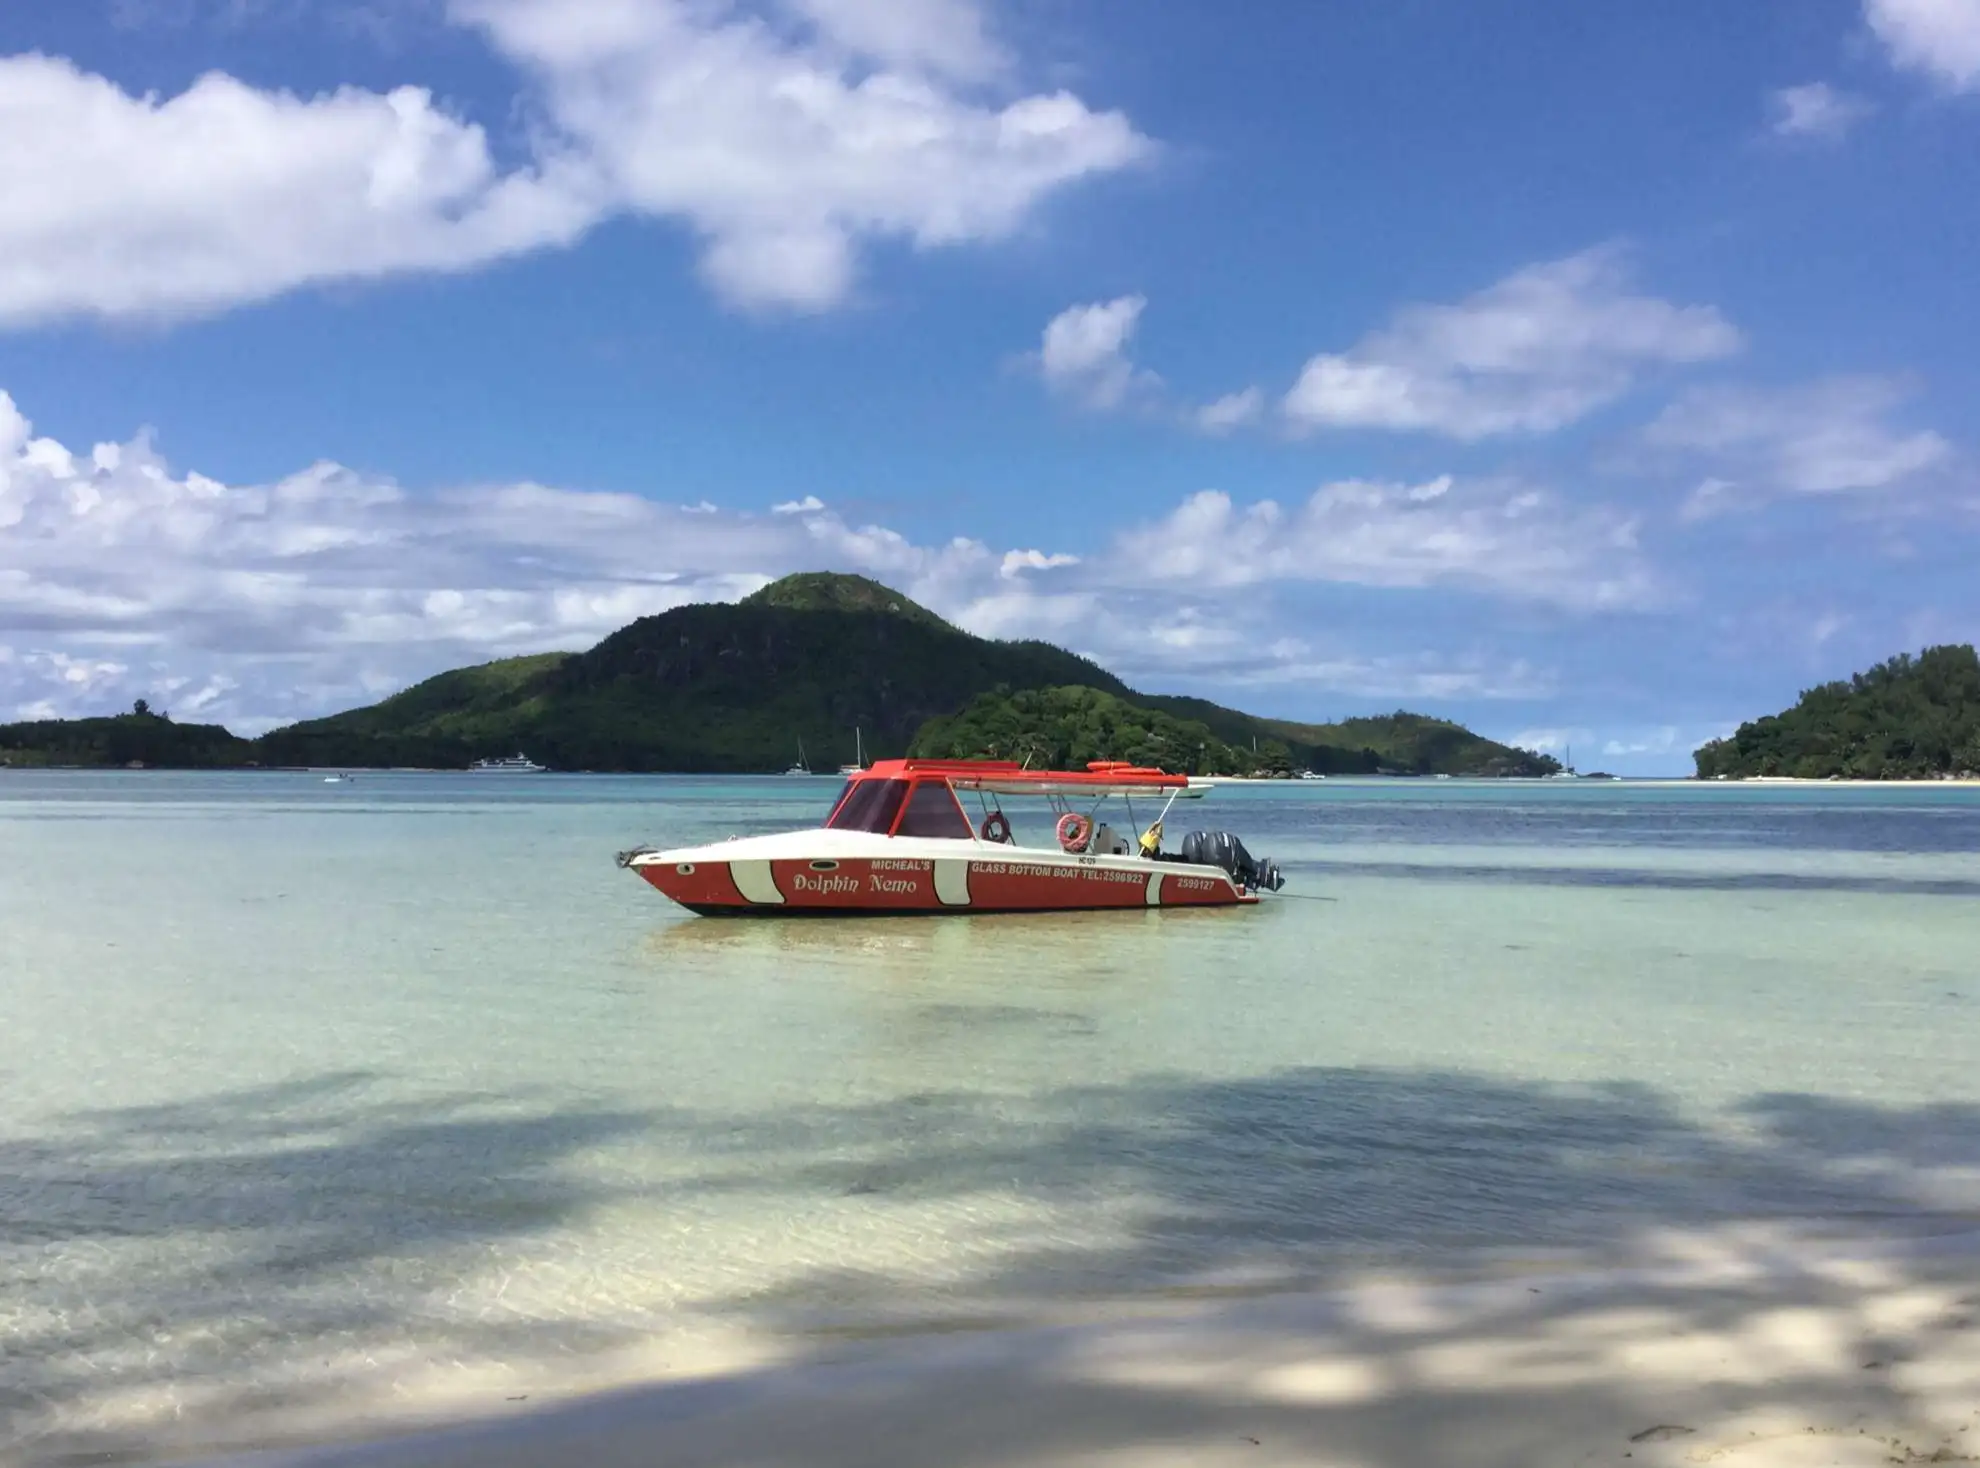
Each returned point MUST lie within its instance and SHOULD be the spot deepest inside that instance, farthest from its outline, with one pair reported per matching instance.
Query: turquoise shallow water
(311, 1085)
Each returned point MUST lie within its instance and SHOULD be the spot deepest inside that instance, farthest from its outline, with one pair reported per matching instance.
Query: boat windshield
(933, 810)
(868, 805)
(921, 807)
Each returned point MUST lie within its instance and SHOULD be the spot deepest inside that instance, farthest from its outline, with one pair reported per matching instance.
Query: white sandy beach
(1739, 1347)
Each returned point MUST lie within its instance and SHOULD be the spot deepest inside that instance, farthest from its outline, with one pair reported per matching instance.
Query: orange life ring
(1074, 829)
(996, 827)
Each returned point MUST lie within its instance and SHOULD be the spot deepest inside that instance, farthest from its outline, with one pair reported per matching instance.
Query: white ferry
(518, 764)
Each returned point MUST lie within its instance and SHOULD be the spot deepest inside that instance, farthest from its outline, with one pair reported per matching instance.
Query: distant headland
(788, 673)
(1910, 718)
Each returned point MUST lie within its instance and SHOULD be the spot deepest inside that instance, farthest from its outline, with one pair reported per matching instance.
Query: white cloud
(1017, 562)
(1085, 356)
(783, 152)
(784, 156)
(328, 587)
(1940, 38)
(257, 604)
(1639, 747)
(809, 505)
(1537, 351)
(1664, 739)
(943, 37)
(1084, 352)
(84, 675)
(1549, 741)
(133, 206)
(1232, 411)
(1829, 437)
(1491, 537)
(1155, 633)
(1422, 676)
(1816, 110)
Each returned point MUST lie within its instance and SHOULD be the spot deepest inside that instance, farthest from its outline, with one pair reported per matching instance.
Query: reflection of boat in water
(898, 840)
(934, 994)
(913, 947)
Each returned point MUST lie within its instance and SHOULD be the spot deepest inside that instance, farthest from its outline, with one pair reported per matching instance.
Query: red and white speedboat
(900, 839)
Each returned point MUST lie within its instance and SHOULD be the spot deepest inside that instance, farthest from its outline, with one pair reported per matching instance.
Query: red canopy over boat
(1006, 777)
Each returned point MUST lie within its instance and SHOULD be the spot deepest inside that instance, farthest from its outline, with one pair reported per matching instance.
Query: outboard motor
(1223, 850)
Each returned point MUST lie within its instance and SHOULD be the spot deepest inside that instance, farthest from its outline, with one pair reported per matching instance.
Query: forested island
(1910, 718)
(790, 671)
(140, 737)
(1063, 728)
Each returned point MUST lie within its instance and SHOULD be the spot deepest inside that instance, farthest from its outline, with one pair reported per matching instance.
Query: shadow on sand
(1296, 1179)
(144, 1246)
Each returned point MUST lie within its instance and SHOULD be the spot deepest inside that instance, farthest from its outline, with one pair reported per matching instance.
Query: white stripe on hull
(754, 881)
(1154, 889)
(952, 883)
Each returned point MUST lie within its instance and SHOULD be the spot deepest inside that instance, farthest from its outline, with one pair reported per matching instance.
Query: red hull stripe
(696, 884)
(961, 885)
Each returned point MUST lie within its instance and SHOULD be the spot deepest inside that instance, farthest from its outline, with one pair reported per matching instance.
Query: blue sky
(1590, 374)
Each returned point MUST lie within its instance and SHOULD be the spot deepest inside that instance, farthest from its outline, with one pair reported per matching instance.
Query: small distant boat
(803, 766)
(517, 764)
(859, 756)
(1311, 775)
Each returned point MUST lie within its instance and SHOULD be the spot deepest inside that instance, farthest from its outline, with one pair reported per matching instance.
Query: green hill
(826, 591)
(1906, 719)
(710, 687)
(436, 724)
(803, 663)
(1064, 728)
(140, 737)
(1399, 743)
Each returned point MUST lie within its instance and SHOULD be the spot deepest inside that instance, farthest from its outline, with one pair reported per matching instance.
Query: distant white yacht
(519, 764)
(803, 766)
(859, 755)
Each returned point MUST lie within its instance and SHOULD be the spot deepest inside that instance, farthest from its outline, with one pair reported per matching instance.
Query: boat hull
(971, 883)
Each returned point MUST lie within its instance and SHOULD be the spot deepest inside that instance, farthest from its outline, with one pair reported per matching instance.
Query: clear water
(314, 1088)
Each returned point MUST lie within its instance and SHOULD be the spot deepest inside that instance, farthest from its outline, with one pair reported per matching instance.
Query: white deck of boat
(822, 844)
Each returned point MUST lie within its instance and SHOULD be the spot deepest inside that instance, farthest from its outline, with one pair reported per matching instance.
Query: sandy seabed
(1747, 1347)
